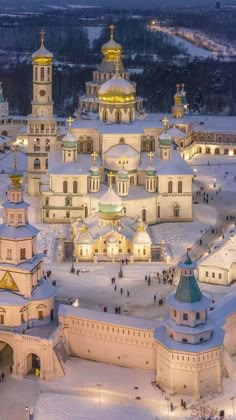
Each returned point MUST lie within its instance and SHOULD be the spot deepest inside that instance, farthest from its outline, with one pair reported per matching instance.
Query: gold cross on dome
(94, 156)
(42, 33)
(15, 158)
(70, 121)
(110, 176)
(165, 122)
(123, 160)
(112, 27)
(150, 155)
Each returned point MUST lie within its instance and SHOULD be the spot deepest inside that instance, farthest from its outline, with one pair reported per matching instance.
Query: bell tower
(42, 126)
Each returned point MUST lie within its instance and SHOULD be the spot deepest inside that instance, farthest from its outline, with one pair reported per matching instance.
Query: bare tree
(204, 412)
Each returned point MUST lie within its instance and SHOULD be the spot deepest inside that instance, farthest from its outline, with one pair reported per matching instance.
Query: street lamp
(30, 414)
(232, 399)
(72, 270)
(214, 183)
(99, 384)
(195, 172)
(168, 406)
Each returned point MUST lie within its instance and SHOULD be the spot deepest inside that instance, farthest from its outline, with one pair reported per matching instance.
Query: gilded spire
(112, 27)
(122, 160)
(110, 176)
(70, 121)
(165, 122)
(150, 155)
(94, 156)
(15, 176)
(117, 66)
(42, 33)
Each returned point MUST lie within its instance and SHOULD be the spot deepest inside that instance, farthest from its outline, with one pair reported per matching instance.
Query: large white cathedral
(115, 163)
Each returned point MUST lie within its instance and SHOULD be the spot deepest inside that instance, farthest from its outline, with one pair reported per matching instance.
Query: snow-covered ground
(93, 33)
(191, 41)
(76, 395)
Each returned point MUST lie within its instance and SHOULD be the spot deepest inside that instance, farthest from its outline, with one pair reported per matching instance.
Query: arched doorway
(33, 365)
(6, 358)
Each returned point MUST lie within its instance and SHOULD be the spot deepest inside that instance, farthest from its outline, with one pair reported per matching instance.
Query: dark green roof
(188, 290)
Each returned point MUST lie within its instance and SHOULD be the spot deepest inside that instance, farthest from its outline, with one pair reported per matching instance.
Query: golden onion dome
(42, 56)
(111, 49)
(117, 90)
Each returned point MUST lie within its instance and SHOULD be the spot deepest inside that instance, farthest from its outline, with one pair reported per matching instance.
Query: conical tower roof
(188, 290)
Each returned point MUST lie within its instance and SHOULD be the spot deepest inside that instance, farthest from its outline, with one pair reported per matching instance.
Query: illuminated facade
(26, 296)
(42, 124)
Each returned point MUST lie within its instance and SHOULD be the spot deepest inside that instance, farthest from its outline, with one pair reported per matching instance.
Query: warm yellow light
(114, 99)
(42, 61)
(231, 153)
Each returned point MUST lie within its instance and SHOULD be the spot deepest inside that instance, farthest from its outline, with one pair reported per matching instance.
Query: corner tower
(189, 344)
(42, 129)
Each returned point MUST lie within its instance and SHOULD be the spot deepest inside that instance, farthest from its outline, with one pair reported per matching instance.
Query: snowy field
(76, 396)
(94, 32)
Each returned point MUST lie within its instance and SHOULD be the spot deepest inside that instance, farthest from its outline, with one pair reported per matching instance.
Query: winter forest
(156, 61)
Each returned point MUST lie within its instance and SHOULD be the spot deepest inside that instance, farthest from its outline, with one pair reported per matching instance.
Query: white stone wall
(189, 373)
(116, 344)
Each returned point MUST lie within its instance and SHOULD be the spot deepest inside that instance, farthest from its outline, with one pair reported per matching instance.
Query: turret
(180, 102)
(69, 145)
(188, 308)
(150, 175)
(94, 179)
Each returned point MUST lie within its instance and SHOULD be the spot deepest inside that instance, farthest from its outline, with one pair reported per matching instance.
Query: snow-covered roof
(27, 265)
(141, 238)
(215, 341)
(126, 321)
(84, 238)
(185, 329)
(10, 298)
(176, 165)
(110, 198)
(176, 133)
(16, 206)
(42, 52)
(80, 167)
(117, 85)
(188, 307)
(111, 44)
(20, 232)
(121, 149)
(222, 257)
(43, 290)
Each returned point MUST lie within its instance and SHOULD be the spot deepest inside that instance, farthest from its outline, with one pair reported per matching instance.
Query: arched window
(118, 117)
(131, 180)
(144, 215)
(46, 201)
(65, 187)
(37, 164)
(41, 73)
(36, 145)
(46, 163)
(75, 187)
(47, 145)
(104, 115)
(197, 315)
(170, 187)
(36, 73)
(185, 317)
(49, 74)
(68, 201)
(180, 187)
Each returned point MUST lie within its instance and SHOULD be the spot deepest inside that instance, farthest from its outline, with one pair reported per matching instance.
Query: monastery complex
(111, 172)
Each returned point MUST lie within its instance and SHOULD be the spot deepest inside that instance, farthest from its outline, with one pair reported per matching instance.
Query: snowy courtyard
(78, 395)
